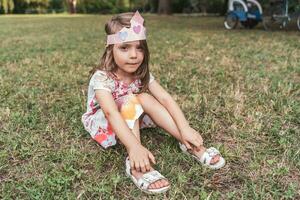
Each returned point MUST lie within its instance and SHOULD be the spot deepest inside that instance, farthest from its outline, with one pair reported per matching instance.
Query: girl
(123, 96)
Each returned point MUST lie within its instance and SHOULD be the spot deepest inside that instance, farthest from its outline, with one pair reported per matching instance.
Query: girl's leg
(163, 119)
(136, 174)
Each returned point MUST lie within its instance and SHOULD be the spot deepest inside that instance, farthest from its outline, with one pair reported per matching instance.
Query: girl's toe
(166, 183)
(215, 159)
(161, 184)
(158, 185)
(151, 186)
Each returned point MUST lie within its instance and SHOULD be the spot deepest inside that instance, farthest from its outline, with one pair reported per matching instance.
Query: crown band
(136, 31)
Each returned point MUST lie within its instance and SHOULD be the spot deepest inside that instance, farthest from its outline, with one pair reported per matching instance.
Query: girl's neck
(124, 77)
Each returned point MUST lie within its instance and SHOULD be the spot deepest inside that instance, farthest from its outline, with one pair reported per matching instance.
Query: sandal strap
(182, 147)
(149, 178)
(208, 155)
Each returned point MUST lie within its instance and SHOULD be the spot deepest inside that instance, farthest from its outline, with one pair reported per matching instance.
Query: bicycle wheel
(269, 23)
(252, 16)
(250, 23)
(274, 17)
(231, 21)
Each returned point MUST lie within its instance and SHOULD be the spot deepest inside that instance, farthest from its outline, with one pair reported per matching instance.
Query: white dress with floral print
(94, 120)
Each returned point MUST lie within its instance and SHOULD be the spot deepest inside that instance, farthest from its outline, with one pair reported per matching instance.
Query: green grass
(239, 88)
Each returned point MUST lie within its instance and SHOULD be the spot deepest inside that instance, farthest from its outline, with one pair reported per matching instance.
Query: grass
(239, 88)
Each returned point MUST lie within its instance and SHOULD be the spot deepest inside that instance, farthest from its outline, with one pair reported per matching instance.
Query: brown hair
(107, 62)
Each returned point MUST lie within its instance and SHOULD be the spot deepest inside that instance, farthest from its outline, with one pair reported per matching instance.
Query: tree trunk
(203, 6)
(225, 7)
(203, 9)
(164, 7)
(72, 6)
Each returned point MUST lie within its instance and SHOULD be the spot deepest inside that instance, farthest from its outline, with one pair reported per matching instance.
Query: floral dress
(94, 120)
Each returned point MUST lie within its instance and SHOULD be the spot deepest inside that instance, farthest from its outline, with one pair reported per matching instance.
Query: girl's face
(128, 56)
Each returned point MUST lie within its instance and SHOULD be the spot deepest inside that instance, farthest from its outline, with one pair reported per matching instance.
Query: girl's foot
(210, 157)
(151, 182)
(200, 152)
(156, 185)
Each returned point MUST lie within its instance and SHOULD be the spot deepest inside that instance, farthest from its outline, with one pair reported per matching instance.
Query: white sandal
(206, 157)
(146, 180)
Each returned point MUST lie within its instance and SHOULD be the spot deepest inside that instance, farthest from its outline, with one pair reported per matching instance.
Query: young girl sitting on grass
(123, 97)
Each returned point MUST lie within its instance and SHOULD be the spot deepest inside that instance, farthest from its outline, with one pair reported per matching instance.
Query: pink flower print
(109, 129)
(93, 105)
(100, 138)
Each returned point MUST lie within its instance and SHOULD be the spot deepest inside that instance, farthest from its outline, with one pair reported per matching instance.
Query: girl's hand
(191, 138)
(140, 158)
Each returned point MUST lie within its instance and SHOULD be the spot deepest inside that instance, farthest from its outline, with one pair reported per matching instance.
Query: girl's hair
(107, 62)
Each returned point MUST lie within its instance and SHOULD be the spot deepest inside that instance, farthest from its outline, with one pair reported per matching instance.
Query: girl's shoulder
(151, 78)
(102, 80)
(101, 75)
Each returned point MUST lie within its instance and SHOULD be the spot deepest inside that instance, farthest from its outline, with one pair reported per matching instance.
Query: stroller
(247, 12)
(279, 14)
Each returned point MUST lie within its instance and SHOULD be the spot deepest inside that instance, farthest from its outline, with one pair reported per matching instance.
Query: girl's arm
(189, 135)
(138, 155)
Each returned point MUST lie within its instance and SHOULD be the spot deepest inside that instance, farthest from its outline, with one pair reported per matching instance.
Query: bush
(98, 6)
(117, 6)
(57, 6)
(216, 6)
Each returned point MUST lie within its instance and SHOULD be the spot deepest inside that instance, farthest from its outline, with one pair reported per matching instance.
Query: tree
(153, 5)
(164, 7)
(37, 6)
(7, 5)
(203, 6)
(72, 6)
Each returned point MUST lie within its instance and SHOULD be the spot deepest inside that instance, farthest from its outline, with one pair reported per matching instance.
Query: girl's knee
(145, 97)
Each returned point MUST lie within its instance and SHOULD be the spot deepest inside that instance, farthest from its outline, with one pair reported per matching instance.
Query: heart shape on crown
(135, 32)
(137, 29)
(123, 35)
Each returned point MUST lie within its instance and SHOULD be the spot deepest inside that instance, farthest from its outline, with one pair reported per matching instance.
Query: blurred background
(115, 6)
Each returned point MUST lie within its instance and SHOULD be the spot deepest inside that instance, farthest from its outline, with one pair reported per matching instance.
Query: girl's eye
(123, 48)
(140, 48)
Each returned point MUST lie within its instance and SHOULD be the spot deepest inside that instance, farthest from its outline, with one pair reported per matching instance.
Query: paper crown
(136, 31)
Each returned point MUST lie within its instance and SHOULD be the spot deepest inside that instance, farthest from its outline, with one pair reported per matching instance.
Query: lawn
(240, 89)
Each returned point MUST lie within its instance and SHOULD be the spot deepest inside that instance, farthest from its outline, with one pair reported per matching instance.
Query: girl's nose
(133, 53)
